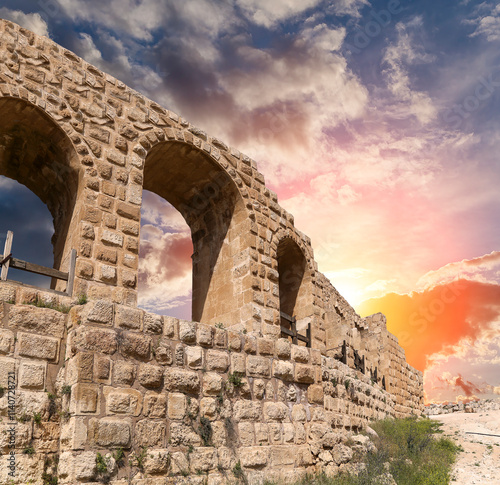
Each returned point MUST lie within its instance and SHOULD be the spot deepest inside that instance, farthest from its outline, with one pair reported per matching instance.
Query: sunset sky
(377, 124)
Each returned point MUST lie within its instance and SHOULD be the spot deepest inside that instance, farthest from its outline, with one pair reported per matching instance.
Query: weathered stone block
(155, 405)
(212, 383)
(187, 331)
(181, 380)
(304, 373)
(123, 373)
(265, 346)
(84, 399)
(177, 405)
(299, 413)
(217, 360)
(283, 348)
(315, 394)
(246, 434)
(150, 376)
(127, 317)
(208, 407)
(194, 357)
(100, 311)
(123, 401)
(150, 434)
(94, 339)
(157, 462)
(32, 375)
(254, 456)
(275, 411)
(37, 346)
(300, 354)
(6, 341)
(39, 320)
(258, 366)
(204, 335)
(183, 435)
(163, 352)
(238, 363)
(204, 459)
(135, 345)
(247, 410)
(283, 370)
(110, 432)
(153, 323)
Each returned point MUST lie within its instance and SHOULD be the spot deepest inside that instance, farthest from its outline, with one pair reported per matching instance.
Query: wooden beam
(37, 269)
(7, 251)
(71, 274)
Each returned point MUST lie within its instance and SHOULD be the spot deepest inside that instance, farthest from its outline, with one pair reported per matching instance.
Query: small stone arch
(295, 281)
(212, 204)
(38, 154)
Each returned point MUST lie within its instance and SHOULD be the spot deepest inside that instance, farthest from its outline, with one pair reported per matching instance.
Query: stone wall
(183, 400)
(108, 375)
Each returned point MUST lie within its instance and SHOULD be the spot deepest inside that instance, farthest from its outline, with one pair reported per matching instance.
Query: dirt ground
(479, 463)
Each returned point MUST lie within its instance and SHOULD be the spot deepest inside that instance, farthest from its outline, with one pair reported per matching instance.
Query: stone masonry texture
(107, 392)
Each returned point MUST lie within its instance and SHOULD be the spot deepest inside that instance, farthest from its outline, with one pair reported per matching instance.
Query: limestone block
(303, 456)
(100, 311)
(261, 433)
(275, 433)
(7, 366)
(204, 335)
(304, 373)
(6, 341)
(177, 405)
(20, 437)
(283, 348)
(220, 338)
(300, 434)
(234, 341)
(39, 320)
(288, 433)
(155, 405)
(212, 383)
(32, 375)
(123, 373)
(84, 399)
(183, 435)
(238, 363)
(170, 327)
(179, 463)
(102, 368)
(300, 354)
(25, 469)
(150, 434)
(110, 432)
(299, 413)
(247, 410)
(275, 411)
(194, 357)
(265, 346)
(246, 434)
(258, 366)
(282, 455)
(217, 360)
(85, 467)
(128, 317)
(254, 456)
(31, 402)
(250, 345)
(94, 339)
(204, 459)
(150, 376)
(315, 394)
(74, 434)
(181, 380)
(283, 370)
(157, 461)
(135, 345)
(38, 347)
(187, 331)
(122, 401)
(208, 407)
(342, 454)
(259, 388)
(153, 323)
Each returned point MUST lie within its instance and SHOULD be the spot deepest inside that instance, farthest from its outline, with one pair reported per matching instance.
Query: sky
(376, 123)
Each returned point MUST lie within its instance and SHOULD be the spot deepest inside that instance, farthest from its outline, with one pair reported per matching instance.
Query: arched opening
(295, 289)
(211, 205)
(35, 152)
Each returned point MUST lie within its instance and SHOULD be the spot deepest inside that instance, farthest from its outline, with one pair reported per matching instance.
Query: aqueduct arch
(36, 152)
(213, 208)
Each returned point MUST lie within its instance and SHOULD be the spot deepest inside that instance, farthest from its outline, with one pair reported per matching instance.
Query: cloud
(30, 21)
(267, 14)
(488, 25)
(398, 56)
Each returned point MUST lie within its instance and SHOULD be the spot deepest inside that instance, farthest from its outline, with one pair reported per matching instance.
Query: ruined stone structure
(186, 402)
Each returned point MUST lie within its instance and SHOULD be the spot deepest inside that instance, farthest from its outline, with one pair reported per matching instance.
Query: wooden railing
(7, 261)
(292, 331)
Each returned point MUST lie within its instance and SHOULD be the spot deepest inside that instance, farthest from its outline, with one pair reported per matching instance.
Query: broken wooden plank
(7, 251)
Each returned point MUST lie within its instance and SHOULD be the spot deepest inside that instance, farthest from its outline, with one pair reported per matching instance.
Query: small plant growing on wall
(205, 431)
(347, 383)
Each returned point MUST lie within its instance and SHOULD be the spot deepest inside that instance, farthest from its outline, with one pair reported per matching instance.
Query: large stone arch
(37, 153)
(212, 205)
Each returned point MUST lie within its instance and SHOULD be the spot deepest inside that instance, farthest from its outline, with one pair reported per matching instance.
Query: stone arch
(296, 281)
(213, 207)
(38, 154)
